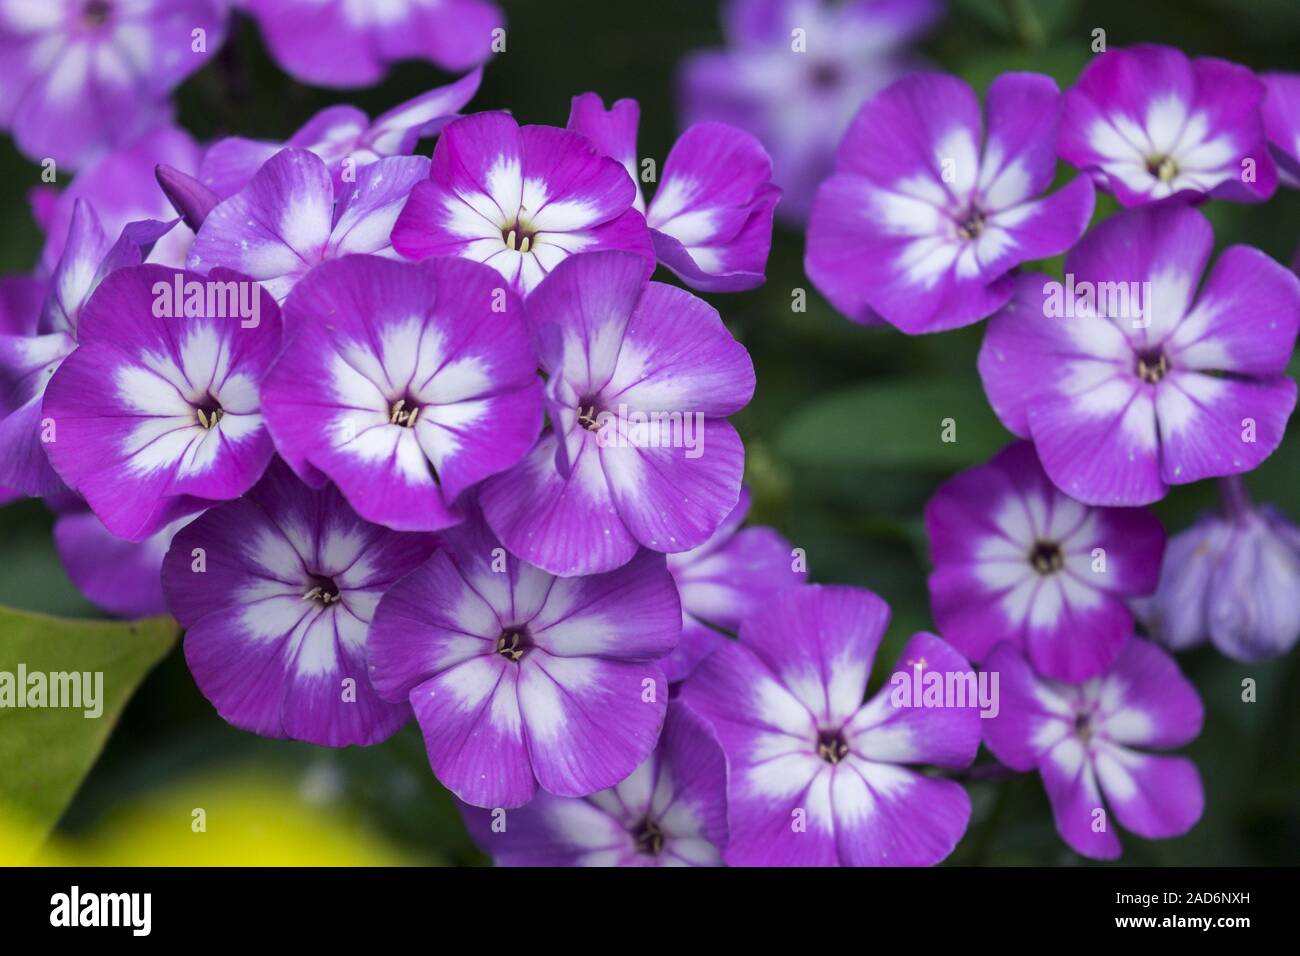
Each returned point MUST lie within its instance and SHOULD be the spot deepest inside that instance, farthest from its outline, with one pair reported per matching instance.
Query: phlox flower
(82, 76)
(816, 777)
(404, 383)
(1146, 378)
(290, 218)
(153, 414)
(521, 680)
(711, 215)
(670, 811)
(794, 72)
(521, 199)
(608, 478)
(1233, 580)
(351, 43)
(1083, 740)
(932, 204)
(1150, 124)
(276, 592)
(1018, 561)
(45, 333)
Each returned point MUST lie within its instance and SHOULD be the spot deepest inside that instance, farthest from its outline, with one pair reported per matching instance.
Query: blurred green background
(842, 436)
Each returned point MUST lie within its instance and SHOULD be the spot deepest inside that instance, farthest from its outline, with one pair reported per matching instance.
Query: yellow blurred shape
(244, 819)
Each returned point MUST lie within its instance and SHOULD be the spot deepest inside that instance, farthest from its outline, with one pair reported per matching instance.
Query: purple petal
(820, 642)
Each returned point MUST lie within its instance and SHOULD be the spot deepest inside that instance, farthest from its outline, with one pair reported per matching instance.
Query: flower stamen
(399, 414)
(513, 643)
(209, 415)
(1046, 557)
(1152, 367)
(648, 838)
(1162, 167)
(325, 591)
(831, 747)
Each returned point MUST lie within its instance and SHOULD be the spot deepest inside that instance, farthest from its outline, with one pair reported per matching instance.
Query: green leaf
(895, 425)
(46, 752)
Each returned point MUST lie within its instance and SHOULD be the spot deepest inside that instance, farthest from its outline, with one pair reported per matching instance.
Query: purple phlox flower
(286, 220)
(33, 350)
(1149, 124)
(711, 216)
(276, 591)
(670, 811)
(118, 576)
(157, 409)
(926, 216)
(351, 43)
(1233, 580)
(1082, 740)
(123, 189)
(1281, 114)
(521, 680)
(521, 199)
(639, 453)
(1017, 560)
(1128, 380)
(83, 76)
(405, 383)
(344, 137)
(816, 777)
(723, 580)
(798, 91)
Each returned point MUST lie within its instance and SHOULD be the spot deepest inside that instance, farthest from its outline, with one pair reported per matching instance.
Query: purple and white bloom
(83, 76)
(1018, 561)
(521, 680)
(670, 811)
(816, 776)
(1150, 124)
(1127, 379)
(118, 576)
(798, 91)
(521, 199)
(1083, 739)
(711, 215)
(1234, 581)
(926, 214)
(157, 410)
(122, 188)
(289, 218)
(352, 43)
(1281, 114)
(47, 333)
(405, 383)
(276, 592)
(641, 377)
(725, 579)
(344, 137)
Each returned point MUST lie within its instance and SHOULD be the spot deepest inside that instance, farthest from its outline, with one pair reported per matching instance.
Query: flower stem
(1236, 500)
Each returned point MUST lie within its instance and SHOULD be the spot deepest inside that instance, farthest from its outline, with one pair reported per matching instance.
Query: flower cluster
(1132, 372)
(398, 436)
